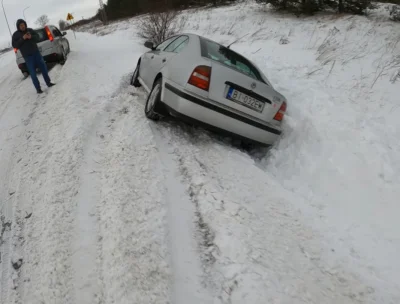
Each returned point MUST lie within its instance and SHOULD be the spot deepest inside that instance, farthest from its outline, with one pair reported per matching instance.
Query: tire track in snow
(191, 283)
(87, 278)
(15, 108)
(48, 180)
(12, 95)
(7, 221)
(189, 279)
(6, 224)
(260, 248)
(132, 214)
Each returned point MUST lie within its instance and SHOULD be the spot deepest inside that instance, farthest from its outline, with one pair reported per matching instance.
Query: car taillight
(15, 50)
(281, 112)
(201, 77)
(49, 34)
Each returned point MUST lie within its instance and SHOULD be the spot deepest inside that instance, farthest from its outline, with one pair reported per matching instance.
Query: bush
(395, 13)
(390, 1)
(309, 7)
(116, 9)
(297, 7)
(356, 6)
(157, 27)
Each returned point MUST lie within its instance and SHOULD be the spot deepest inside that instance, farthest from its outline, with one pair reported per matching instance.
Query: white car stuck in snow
(203, 82)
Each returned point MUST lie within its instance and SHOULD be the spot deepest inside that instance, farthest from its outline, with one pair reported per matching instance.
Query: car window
(177, 45)
(42, 35)
(164, 44)
(55, 31)
(219, 53)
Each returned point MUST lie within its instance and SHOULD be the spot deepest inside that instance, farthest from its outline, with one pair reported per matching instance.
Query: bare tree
(158, 26)
(62, 24)
(42, 20)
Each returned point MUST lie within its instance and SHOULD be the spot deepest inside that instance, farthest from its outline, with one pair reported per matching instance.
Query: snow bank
(339, 155)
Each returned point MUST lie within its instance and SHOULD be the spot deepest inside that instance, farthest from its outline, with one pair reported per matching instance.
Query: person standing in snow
(25, 39)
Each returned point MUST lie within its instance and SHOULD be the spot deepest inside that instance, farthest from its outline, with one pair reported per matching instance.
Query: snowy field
(100, 205)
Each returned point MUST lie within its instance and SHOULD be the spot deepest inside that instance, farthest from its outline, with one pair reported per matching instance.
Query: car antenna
(229, 46)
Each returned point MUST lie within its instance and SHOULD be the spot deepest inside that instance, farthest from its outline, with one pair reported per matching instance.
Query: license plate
(245, 100)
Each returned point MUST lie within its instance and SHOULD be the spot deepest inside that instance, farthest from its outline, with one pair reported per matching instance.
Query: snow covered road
(101, 205)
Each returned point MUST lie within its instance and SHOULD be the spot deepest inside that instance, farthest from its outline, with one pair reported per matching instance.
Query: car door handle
(164, 60)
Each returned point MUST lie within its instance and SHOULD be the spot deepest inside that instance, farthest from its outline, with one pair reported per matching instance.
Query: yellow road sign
(69, 17)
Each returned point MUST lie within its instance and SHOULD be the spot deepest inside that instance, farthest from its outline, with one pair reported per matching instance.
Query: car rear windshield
(222, 54)
(42, 35)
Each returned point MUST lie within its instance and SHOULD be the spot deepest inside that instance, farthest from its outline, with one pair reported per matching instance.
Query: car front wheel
(153, 100)
(135, 77)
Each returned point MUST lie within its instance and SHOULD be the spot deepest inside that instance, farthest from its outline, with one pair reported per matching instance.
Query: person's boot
(39, 91)
(51, 84)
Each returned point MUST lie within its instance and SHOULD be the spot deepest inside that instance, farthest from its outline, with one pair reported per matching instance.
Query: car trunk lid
(43, 43)
(236, 83)
(243, 93)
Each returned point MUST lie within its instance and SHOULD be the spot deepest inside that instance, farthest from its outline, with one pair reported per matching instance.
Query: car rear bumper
(206, 113)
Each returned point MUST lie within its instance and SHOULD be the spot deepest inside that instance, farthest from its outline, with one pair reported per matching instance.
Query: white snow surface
(101, 205)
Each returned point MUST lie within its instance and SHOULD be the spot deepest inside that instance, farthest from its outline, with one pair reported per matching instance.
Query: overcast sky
(55, 9)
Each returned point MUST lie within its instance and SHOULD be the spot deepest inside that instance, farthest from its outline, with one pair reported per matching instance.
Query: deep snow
(108, 207)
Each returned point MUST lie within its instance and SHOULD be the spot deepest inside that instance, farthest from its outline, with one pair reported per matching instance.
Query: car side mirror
(149, 45)
(64, 33)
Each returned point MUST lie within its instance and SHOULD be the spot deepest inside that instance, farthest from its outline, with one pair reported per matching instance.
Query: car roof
(190, 35)
(200, 37)
(42, 28)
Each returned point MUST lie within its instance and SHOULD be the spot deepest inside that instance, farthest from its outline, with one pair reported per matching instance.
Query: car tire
(153, 100)
(135, 77)
(63, 57)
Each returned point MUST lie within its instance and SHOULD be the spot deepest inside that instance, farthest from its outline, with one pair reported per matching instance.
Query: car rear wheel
(63, 57)
(153, 100)
(135, 77)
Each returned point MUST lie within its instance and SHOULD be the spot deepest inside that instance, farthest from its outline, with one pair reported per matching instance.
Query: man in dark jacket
(25, 39)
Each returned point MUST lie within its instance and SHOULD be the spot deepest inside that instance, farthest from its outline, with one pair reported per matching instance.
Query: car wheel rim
(153, 97)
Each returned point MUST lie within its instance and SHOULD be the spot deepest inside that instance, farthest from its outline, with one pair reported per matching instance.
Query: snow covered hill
(100, 205)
